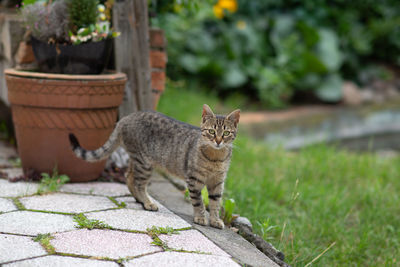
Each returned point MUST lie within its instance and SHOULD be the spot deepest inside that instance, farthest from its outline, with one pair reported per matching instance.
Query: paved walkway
(97, 224)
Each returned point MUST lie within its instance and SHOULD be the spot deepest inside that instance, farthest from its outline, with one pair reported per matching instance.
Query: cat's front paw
(150, 206)
(201, 220)
(217, 223)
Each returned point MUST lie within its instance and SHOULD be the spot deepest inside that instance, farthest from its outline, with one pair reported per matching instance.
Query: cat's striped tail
(99, 154)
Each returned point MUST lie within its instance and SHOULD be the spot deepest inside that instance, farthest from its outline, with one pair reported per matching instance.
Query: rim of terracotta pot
(109, 75)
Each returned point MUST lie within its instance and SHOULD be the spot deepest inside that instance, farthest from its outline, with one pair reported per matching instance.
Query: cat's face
(219, 131)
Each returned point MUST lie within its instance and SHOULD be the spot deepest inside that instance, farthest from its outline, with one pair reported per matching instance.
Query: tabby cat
(199, 155)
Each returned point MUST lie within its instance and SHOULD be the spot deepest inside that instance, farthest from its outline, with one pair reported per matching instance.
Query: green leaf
(204, 194)
(328, 50)
(193, 63)
(229, 207)
(331, 88)
(312, 63)
(233, 76)
(310, 34)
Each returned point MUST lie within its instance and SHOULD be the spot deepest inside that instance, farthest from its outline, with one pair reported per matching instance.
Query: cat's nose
(218, 140)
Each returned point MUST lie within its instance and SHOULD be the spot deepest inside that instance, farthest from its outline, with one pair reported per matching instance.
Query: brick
(131, 203)
(6, 205)
(192, 240)
(176, 259)
(103, 243)
(97, 188)
(14, 247)
(69, 203)
(33, 223)
(158, 80)
(157, 38)
(8, 189)
(158, 59)
(139, 220)
(59, 261)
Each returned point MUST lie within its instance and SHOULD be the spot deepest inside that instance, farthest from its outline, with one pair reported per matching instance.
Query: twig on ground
(323, 252)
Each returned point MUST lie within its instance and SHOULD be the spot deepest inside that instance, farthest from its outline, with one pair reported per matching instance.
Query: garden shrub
(270, 49)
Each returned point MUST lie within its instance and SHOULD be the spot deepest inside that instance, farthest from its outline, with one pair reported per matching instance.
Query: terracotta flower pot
(47, 107)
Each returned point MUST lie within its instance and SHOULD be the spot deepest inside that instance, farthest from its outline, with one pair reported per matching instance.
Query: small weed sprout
(52, 183)
(162, 230)
(266, 229)
(44, 240)
(187, 196)
(204, 194)
(84, 222)
(227, 211)
(119, 204)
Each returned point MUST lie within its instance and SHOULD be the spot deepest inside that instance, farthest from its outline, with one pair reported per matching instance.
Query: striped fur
(199, 155)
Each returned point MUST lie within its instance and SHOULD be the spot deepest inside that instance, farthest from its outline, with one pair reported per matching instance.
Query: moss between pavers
(84, 222)
(44, 240)
(85, 257)
(154, 233)
(119, 204)
(18, 203)
(51, 212)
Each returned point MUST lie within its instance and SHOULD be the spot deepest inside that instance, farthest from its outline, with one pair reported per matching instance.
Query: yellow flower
(230, 5)
(218, 11)
(101, 8)
(241, 24)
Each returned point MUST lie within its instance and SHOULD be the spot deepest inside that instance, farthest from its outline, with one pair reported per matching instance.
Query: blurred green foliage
(269, 49)
(83, 13)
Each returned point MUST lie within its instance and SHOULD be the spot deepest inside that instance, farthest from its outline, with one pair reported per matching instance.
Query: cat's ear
(234, 116)
(207, 112)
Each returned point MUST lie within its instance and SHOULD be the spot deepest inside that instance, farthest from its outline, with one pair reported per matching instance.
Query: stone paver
(138, 220)
(14, 247)
(69, 203)
(61, 261)
(6, 205)
(132, 204)
(7, 151)
(8, 189)
(12, 172)
(104, 243)
(178, 259)
(192, 240)
(97, 188)
(33, 223)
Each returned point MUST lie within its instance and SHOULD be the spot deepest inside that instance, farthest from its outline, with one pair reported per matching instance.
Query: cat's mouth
(218, 146)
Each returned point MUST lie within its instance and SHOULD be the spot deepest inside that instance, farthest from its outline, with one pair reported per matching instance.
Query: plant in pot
(70, 93)
(69, 36)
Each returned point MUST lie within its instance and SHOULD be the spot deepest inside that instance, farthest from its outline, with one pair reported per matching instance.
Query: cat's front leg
(195, 185)
(215, 189)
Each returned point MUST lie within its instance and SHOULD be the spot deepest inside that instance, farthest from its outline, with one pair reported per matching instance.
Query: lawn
(324, 204)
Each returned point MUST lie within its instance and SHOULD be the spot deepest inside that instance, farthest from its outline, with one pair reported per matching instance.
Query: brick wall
(158, 62)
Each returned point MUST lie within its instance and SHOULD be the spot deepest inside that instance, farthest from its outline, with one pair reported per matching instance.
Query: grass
(154, 233)
(321, 206)
(84, 222)
(44, 240)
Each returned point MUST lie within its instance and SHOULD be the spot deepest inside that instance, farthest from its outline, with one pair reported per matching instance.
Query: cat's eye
(226, 133)
(211, 131)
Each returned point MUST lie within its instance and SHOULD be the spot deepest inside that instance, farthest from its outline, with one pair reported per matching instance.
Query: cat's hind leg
(137, 177)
